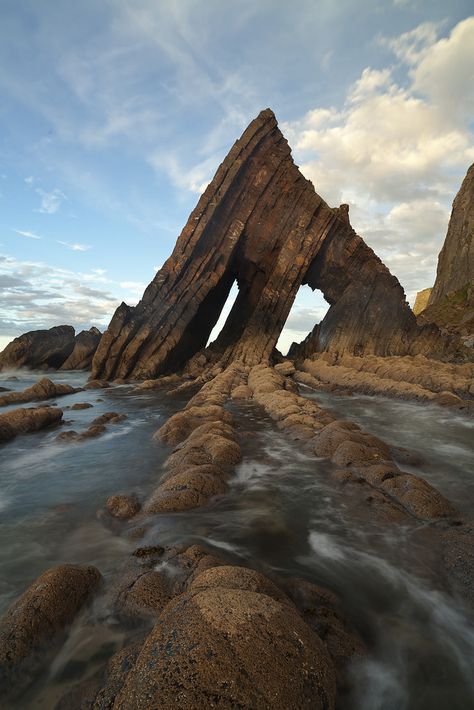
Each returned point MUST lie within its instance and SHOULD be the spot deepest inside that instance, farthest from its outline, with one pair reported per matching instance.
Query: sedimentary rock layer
(260, 224)
(456, 259)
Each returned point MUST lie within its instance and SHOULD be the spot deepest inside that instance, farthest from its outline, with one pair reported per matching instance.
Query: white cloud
(136, 287)
(29, 235)
(399, 147)
(74, 247)
(50, 201)
(37, 295)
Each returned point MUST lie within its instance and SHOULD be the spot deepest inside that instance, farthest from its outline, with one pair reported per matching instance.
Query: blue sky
(114, 114)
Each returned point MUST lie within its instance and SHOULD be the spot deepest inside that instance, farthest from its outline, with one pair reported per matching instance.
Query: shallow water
(281, 515)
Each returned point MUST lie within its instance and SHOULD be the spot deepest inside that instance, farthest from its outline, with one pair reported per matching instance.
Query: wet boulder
(25, 420)
(39, 349)
(42, 390)
(230, 648)
(123, 506)
(45, 609)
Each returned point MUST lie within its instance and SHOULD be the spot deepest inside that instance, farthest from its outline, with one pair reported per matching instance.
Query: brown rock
(23, 421)
(47, 606)
(96, 385)
(232, 648)
(418, 497)
(43, 389)
(123, 506)
(456, 260)
(109, 417)
(39, 349)
(142, 594)
(163, 501)
(85, 345)
(204, 483)
(232, 577)
(259, 223)
(81, 405)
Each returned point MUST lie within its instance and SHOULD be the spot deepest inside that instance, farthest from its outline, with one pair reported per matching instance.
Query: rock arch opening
(307, 311)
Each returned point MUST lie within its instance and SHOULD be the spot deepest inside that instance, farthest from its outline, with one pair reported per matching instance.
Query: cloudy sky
(114, 115)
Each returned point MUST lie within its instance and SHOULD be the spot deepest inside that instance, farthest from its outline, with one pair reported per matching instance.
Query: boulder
(43, 389)
(23, 421)
(46, 608)
(230, 648)
(39, 349)
(123, 506)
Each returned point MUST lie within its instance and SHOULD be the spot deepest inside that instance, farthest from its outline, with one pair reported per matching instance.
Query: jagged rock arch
(261, 224)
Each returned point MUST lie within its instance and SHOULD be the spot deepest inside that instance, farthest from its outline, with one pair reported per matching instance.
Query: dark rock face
(47, 606)
(39, 349)
(84, 349)
(261, 224)
(456, 259)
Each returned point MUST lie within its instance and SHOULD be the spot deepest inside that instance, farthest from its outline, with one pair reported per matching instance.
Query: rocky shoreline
(211, 624)
(204, 629)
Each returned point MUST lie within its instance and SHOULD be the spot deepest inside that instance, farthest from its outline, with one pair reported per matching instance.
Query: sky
(115, 114)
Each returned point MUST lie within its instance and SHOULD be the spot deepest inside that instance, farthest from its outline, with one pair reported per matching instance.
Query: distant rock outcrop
(84, 350)
(39, 349)
(456, 259)
(51, 349)
(451, 300)
(260, 224)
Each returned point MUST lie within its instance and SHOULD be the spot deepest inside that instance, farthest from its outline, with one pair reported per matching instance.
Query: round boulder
(230, 648)
(123, 506)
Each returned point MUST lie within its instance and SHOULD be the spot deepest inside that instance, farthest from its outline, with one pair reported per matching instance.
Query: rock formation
(450, 303)
(456, 259)
(51, 349)
(261, 224)
(39, 349)
(84, 349)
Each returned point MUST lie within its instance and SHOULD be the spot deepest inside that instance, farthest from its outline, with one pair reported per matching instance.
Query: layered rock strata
(345, 444)
(260, 224)
(404, 378)
(456, 259)
(206, 448)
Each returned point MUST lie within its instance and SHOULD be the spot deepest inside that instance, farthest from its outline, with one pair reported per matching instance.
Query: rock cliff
(259, 224)
(456, 259)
